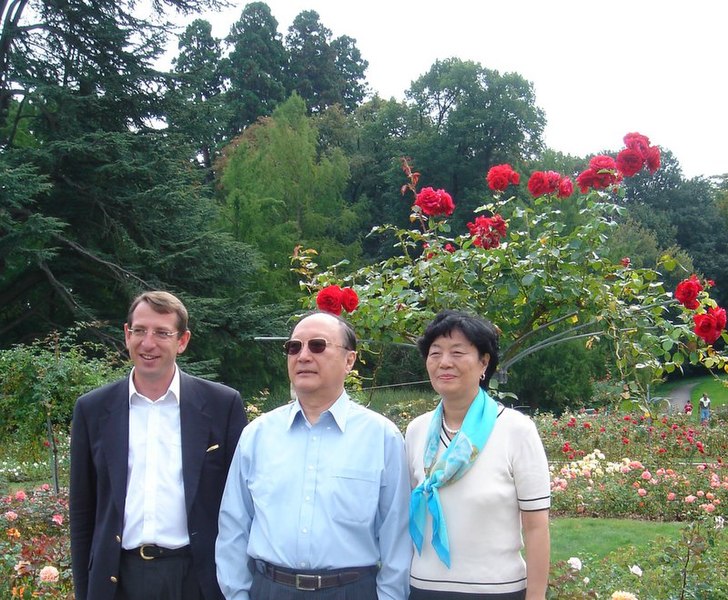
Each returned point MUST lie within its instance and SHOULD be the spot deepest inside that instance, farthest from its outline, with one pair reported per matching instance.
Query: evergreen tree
(196, 103)
(256, 67)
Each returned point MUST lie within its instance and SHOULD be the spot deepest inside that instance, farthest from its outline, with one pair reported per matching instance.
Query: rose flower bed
(616, 465)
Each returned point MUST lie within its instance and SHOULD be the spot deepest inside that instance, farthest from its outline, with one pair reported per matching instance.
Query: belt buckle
(302, 582)
(141, 552)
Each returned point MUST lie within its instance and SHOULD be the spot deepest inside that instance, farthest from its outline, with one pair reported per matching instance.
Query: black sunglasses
(315, 345)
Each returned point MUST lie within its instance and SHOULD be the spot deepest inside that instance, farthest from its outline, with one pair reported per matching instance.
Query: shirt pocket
(355, 495)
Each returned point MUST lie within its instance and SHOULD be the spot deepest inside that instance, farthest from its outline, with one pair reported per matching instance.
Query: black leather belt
(313, 581)
(152, 551)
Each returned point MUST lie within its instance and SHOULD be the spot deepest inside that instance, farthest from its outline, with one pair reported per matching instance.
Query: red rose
(602, 173)
(629, 162)
(500, 176)
(434, 202)
(709, 325)
(638, 142)
(686, 292)
(566, 187)
(603, 162)
(349, 299)
(626, 262)
(586, 179)
(329, 299)
(449, 248)
(542, 182)
(652, 159)
(488, 231)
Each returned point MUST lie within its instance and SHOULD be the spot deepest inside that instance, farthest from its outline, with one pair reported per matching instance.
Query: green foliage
(559, 377)
(692, 566)
(281, 193)
(44, 379)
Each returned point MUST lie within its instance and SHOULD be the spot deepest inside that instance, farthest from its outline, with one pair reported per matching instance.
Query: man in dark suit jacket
(149, 459)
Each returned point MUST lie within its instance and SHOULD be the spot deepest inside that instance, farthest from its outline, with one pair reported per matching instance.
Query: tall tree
(281, 192)
(256, 67)
(102, 203)
(197, 108)
(351, 67)
(685, 212)
(472, 118)
(324, 72)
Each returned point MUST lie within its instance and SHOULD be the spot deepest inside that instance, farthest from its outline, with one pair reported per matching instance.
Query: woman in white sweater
(480, 477)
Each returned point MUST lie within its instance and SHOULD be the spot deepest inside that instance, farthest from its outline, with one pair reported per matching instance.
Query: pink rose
(57, 519)
(21, 495)
(49, 574)
(11, 515)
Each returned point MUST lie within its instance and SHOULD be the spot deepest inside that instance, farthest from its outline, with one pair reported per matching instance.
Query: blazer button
(118, 538)
(113, 579)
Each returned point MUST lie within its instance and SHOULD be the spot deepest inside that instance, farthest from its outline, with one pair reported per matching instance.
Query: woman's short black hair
(479, 332)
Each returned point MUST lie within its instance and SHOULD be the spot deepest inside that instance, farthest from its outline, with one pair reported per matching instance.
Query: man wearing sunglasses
(316, 501)
(149, 457)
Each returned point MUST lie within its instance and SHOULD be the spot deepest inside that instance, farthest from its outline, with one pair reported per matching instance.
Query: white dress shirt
(155, 511)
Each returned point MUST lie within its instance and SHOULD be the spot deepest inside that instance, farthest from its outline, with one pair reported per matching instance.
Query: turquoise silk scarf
(453, 463)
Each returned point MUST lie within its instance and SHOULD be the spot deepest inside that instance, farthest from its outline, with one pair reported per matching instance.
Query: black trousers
(417, 594)
(168, 578)
(263, 588)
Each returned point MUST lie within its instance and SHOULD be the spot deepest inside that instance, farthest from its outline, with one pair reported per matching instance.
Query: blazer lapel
(114, 429)
(195, 424)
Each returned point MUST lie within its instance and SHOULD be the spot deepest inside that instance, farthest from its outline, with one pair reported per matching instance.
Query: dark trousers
(168, 578)
(264, 588)
(416, 594)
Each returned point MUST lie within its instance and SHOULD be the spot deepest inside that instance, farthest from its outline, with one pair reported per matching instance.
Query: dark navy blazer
(211, 420)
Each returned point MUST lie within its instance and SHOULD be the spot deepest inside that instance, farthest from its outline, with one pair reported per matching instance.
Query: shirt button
(308, 498)
(314, 438)
(113, 579)
(303, 563)
(310, 467)
(304, 530)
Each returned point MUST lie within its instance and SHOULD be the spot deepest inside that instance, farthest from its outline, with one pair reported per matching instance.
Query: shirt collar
(173, 387)
(339, 411)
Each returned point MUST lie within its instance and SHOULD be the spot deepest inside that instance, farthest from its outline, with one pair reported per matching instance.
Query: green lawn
(598, 537)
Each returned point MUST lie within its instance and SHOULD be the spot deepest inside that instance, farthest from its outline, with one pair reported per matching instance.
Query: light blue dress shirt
(327, 496)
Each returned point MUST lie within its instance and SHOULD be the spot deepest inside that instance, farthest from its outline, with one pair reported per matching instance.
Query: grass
(600, 537)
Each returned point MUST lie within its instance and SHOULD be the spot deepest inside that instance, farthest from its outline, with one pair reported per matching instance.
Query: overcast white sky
(599, 69)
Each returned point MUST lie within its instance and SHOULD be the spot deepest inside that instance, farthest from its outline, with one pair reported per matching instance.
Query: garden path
(679, 396)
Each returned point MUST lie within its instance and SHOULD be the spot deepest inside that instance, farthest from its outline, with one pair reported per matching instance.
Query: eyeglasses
(157, 334)
(315, 345)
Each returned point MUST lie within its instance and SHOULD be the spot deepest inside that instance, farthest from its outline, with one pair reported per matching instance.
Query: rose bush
(35, 560)
(540, 278)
